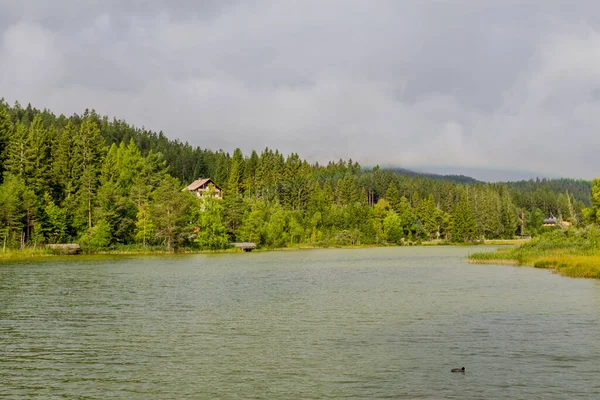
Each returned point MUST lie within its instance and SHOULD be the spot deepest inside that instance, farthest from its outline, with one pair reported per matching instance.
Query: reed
(570, 252)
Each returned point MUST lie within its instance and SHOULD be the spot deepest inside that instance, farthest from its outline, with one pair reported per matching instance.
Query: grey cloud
(472, 84)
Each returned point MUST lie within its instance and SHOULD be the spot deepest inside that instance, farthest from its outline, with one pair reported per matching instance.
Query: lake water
(315, 324)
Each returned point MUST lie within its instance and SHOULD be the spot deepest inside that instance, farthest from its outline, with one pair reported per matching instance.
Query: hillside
(105, 183)
(450, 178)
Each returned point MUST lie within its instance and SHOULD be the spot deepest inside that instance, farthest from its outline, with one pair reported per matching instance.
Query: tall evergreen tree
(463, 224)
(38, 169)
(88, 157)
(6, 131)
(64, 161)
(18, 153)
(392, 195)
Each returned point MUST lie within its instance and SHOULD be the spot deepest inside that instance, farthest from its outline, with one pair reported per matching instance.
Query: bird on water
(458, 369)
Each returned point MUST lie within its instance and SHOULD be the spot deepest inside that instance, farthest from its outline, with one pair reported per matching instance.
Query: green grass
(570, 252)
(14, 254)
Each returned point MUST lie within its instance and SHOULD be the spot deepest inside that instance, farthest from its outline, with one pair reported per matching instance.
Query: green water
(368, 323)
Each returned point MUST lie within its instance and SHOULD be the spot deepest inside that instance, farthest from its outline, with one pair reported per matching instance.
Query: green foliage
(592, 214)
(407, 216)
(572, 252)
(6, 131)
(11, 211)
(145, 230)
(168, 211)
(392, 227)
(212, 234)
(427, 212)
(116, 186)
(392, 195)
(463, 223)
(252, 227)
(57, 226)
(97, 238)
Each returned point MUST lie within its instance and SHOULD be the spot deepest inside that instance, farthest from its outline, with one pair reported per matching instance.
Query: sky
(506, 88)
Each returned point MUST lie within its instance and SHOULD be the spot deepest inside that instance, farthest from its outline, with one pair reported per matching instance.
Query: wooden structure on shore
(66, 248)
(246, 246)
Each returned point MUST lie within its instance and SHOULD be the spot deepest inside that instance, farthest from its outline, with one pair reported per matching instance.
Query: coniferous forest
(106, 184)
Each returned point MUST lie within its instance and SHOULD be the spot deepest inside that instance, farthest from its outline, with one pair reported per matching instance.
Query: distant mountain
(438, 177)
(483, 174)
(579, 188)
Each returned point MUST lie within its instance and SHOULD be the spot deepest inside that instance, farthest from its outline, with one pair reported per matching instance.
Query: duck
(458, 369)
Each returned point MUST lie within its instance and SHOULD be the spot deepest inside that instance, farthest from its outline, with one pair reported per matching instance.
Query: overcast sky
(473, 85)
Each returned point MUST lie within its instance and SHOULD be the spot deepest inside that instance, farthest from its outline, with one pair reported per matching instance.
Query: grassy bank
(27, 253)
(570, 252)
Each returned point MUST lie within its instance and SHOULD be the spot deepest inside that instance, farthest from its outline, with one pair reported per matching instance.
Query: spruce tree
(64, 161)
(236, 173)
(6, 132)
(38, 170)
(392, 195)
(18, 152)
(463, 224)
(88, 156)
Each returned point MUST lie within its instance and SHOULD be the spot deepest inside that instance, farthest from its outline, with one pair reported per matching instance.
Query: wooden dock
(246, 246)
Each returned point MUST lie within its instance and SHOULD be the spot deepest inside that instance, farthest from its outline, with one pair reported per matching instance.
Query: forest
(106, 184)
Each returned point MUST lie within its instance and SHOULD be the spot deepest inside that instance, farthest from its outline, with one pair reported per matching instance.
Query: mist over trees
(104, 183)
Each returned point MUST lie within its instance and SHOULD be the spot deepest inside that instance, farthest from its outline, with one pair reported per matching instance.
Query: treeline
(451, 178)
(106, 183)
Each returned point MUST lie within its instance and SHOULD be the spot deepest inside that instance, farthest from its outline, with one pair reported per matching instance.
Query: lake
(338, 323)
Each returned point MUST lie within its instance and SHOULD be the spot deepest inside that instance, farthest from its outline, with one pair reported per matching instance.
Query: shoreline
(43, 253)
(573, 266)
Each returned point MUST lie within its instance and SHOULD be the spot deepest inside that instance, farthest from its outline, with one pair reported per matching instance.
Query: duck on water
(458, 369)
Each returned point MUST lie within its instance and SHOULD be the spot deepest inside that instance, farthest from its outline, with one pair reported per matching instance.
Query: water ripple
(373, 324)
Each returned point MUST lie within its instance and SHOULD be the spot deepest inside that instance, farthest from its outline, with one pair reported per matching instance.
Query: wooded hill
(105, 183)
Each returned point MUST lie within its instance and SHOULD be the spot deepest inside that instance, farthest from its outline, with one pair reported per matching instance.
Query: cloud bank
(492, 85)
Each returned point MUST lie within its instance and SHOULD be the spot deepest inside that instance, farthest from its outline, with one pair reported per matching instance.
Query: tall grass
(27, 252)
(571, 252)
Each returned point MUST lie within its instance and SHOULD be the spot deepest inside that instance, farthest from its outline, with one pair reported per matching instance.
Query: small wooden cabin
(202, 186)
(550, 222)
(553, 221)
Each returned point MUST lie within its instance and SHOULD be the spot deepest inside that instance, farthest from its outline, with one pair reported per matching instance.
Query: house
(202, 186)
(553, 221)
(550, 221)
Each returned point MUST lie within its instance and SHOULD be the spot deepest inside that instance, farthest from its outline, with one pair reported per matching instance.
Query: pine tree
(250, 174)
(168, 208)
(234, 183)
(508, 216)
(144, 227)
(347, 191)
(11, 211)
(18, 152)
(88, 156)
(252, 227)
(407, 216)
(463, 224)
(6, 132)
(56, 220)
(426, 212)
(392, 195)
(38, 169)
(64, 160)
